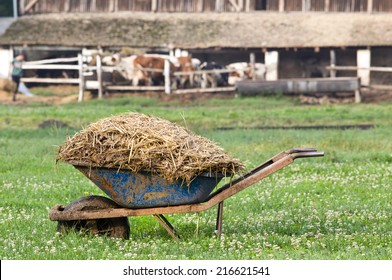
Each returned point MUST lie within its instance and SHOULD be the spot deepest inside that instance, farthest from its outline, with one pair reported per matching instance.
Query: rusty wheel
(112, 227)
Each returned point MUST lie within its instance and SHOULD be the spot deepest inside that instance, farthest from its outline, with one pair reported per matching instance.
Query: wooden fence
(98, 84)
(63, 6)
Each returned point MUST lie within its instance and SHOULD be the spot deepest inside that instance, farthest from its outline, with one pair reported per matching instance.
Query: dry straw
(140, 142)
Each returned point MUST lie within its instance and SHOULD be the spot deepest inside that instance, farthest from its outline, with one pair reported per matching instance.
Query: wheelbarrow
(145, 193)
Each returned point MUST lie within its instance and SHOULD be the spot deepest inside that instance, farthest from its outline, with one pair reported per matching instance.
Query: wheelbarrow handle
(265, 169)
(307, 154)
(304, 152)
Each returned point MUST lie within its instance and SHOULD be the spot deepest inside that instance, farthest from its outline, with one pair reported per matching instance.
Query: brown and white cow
(149, 70)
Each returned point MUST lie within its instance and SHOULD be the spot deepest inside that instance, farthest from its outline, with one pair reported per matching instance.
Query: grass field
(335, 207)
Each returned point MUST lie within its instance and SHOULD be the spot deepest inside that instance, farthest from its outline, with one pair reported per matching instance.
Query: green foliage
(336, 207)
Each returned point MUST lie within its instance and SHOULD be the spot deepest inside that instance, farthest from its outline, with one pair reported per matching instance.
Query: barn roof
(201, 30)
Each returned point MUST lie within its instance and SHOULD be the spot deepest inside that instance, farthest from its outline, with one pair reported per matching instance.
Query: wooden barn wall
(60, 6)
(382, 6)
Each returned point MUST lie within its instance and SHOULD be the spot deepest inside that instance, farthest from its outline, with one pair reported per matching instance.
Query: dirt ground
(66, 94)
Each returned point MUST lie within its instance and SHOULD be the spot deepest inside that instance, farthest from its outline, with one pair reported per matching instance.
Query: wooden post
(241, 5)
(218, 6)
(200, 5)
(252, 61)
(111, 5)
(204, 81)
(99, 75)
(363, 64)
(305, 5)
(281, 6)
(326, 5)
(247, 6)
(358, 97)
(81, 79)
(166, 73)
(370, 6)
(66, 5)
(93, 5)
(154, 5)
(333, 63)
(271, 62)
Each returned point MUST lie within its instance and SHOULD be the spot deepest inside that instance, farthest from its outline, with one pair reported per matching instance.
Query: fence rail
(90, 6)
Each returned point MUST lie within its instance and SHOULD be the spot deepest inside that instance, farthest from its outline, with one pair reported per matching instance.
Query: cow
(149, 70)
(186, 64)
(111, 60)
(244, 71)
(214, 79)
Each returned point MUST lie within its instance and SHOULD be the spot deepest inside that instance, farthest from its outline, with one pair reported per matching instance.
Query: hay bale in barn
(140, 142)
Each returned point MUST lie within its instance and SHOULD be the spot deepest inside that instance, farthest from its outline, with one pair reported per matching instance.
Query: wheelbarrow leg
(166, 225)
(219, 219)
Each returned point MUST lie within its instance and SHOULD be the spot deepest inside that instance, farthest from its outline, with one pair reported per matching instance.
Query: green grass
(336, 207)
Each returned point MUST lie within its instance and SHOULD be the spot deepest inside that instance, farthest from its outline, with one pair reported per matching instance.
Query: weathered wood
(29, 6)
(235, 5)
(53, 60)
(355, 68)
(135, 88)
(370, 6)
(51, 66)
(252, 61)
(271, 62)
(295, 86)
(99, 76)
(200, 5)
(45, 6)
(281, 6)
(81, 78)
(358, 97)
(326, 6)
(363, 63)
(67, 5)
(166, 74)
(50, 80)
(154, 5)
(332, 55)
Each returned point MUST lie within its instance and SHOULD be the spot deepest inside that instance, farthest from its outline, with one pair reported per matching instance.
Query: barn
(300, 37)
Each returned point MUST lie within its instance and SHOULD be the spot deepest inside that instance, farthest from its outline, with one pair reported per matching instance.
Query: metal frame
(218, 197)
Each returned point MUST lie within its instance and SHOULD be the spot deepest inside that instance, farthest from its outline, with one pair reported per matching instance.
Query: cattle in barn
(149, 70)
(185, 64)
(244, 71)
(314, 68)
(111, 60)
(125, 67)
(214, 79)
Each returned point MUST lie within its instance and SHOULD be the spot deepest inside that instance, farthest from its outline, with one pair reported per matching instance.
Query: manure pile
(140, 142)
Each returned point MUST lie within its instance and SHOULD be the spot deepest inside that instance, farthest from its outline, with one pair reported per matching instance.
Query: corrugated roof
(202, 30)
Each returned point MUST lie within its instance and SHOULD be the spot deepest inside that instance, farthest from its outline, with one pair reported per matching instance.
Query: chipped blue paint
(144, 189)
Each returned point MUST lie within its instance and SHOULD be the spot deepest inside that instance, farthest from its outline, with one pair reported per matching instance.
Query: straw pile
(139, 142)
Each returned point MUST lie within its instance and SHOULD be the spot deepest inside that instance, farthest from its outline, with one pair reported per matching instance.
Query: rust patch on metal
(155, 195)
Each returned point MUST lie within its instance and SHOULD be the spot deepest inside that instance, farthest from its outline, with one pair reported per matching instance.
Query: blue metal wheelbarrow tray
(146, 193)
